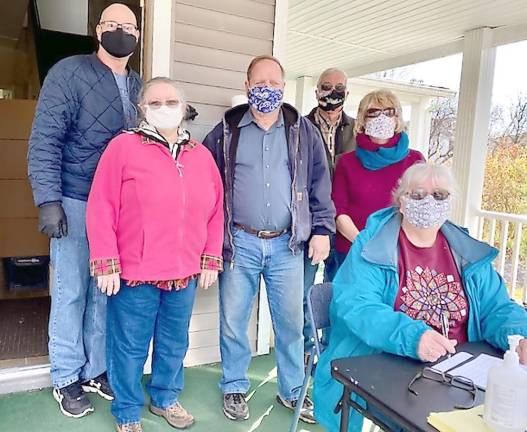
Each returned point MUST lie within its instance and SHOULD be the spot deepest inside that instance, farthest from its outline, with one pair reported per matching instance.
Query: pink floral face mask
(381, 127)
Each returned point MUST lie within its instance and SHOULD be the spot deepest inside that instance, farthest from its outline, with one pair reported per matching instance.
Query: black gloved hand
(52, 220)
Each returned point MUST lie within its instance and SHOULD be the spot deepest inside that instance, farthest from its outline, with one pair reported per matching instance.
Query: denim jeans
(135, 316)
(77, 322)
(331, 265)
(282, 272)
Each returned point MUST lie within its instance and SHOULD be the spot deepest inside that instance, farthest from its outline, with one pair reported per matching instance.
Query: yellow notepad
(459, 420)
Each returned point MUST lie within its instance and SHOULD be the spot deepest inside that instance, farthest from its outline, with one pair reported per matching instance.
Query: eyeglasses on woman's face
(419, 194)
(112, 26)
(376, 112)
(156, 104)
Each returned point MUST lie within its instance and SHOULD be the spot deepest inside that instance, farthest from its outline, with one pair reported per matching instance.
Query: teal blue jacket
(363, 320)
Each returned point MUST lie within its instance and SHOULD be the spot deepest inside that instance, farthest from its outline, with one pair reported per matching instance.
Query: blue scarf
(380, 157)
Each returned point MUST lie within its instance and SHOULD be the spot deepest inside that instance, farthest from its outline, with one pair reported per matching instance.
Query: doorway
(34, 34)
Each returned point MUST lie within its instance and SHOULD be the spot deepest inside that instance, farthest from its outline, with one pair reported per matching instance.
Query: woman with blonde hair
(415, 285)
(155, 231)
(365, 178)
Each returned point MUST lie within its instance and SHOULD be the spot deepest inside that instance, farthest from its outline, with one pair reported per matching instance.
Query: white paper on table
(452, 362)
(478, 369)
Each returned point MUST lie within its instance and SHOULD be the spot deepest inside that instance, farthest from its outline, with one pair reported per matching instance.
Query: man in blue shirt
(277, 197)
(85, 101)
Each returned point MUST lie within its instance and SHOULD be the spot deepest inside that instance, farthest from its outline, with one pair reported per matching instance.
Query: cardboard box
(20, 237)
(17, 200)
(16, 118)
(13, 163)
(19, 234)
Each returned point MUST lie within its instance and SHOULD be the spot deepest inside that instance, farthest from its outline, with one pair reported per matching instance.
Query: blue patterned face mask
(265, 99)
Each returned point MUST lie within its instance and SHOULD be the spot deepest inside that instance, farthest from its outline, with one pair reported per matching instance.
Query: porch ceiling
(363, 36)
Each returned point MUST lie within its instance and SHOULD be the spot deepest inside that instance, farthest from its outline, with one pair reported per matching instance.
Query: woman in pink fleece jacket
(155, 230)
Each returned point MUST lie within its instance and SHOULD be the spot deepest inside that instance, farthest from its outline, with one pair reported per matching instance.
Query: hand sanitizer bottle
(506, 394)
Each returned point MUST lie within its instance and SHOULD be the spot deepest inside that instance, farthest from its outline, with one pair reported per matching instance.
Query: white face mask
(381, 127)
(164, 118)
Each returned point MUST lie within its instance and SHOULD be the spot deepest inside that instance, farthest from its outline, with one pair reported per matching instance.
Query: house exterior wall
(213, 43)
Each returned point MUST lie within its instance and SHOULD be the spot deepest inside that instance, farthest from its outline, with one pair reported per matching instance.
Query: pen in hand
(445, 326)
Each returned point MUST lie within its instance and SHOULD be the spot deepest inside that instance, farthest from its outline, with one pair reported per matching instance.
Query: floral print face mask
(265, 99)
(381, 127)
(427, 212)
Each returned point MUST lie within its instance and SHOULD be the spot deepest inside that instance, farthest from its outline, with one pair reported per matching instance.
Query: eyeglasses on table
(453, 381)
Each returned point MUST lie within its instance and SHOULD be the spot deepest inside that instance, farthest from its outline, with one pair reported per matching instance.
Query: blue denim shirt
(312, 211)
(262, 178)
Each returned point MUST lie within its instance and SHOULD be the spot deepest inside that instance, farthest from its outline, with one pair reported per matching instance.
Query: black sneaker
(100, 386)
(235, 406)
(72, 401)
(306, 413)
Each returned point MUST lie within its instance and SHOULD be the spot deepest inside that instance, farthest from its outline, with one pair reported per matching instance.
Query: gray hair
(160, 80)
(330, 71)
(417, 174)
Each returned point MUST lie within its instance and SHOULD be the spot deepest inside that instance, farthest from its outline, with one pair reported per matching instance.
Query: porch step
(16, 380)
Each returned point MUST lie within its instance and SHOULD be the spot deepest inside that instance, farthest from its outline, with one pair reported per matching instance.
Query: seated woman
(155, 228)
(406, 270)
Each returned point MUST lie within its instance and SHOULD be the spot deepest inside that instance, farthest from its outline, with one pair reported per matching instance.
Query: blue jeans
(135, 316)
(331, 265)
(282, 273)
(77, 322)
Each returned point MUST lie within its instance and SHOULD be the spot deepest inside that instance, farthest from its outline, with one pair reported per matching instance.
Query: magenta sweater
(158, 217)
(359, 192)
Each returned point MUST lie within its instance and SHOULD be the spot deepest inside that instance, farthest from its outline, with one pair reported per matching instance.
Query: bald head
(119, 13)
(117, 34)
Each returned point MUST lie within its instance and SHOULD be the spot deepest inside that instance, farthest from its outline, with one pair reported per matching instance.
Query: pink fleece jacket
(157, 217)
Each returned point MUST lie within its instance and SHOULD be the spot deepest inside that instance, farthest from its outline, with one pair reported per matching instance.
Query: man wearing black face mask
(336, 129)
(84, 102)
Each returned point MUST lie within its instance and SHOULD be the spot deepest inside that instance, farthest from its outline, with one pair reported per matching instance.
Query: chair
(318, 300)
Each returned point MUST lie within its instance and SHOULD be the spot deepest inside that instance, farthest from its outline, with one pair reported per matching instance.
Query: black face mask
(118, 43)
(332, 101)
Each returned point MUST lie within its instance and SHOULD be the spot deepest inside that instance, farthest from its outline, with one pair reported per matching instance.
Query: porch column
(159, 49)
(281, 13)
(470, 149)
(420, 126)
(304, 88)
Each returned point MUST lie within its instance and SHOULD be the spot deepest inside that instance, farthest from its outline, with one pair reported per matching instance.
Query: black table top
(382, 380)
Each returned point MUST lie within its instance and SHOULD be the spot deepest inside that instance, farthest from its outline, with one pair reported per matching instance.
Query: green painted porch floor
(38, 412)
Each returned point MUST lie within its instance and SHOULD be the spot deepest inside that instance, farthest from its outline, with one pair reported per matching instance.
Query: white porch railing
(505, 231)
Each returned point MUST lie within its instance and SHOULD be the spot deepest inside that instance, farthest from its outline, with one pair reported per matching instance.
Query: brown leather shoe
(175, 415)
(129, 427)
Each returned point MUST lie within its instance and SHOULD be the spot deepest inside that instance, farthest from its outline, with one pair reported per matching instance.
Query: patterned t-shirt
(430, 285)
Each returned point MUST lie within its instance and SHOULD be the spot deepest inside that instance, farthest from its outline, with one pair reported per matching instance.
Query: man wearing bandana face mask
(85, 101)
(336, 128)
(277, 203)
